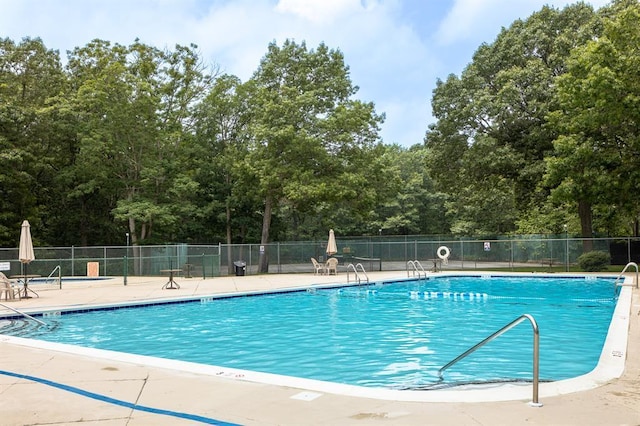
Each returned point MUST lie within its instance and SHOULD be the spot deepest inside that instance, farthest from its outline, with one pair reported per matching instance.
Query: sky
(396, 50)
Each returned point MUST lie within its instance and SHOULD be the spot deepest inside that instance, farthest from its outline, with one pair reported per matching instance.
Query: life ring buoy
(443, 253)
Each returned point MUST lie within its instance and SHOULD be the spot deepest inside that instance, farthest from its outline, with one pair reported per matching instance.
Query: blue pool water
(383, 335)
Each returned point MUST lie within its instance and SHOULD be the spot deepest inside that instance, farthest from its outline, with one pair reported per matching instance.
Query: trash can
(241, 267)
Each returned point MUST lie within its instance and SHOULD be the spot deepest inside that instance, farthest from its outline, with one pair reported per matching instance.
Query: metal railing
(625, 270)
(416, 269)
(536, 353)
(23, 314)
(356, 272)
(58, 278)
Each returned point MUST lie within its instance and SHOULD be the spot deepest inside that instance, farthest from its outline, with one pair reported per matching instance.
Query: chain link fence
(382, 253)
(192, 260)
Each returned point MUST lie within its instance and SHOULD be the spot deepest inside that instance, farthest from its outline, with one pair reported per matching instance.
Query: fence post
(278, 253)
(125, 271)
(406, 253)
(204, 274)
(566, 247)
(511, 257)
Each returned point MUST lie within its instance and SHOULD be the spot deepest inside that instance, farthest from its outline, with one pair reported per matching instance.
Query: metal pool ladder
(536, 354)
(355, 271)
(416, 270)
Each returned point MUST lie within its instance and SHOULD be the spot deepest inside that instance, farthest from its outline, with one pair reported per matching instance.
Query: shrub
(594, 261)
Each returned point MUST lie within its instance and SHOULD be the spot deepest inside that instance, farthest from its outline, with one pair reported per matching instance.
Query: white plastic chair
(318, 267)
(7, 289)
(332, 265)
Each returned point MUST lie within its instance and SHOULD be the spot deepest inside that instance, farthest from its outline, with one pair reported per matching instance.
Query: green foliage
(488, 147)
(595, 162)
(310, 138)
(32, 141)
(594, 261)
(135, 104)
(539, 132)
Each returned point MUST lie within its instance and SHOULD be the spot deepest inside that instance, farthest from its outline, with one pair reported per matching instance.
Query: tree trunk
(263, 266)
(135, 246)
(586, 226)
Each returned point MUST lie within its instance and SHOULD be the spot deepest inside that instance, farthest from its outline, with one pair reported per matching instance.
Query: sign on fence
(93, 269)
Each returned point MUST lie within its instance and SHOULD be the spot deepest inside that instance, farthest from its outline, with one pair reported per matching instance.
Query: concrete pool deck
(29, 395)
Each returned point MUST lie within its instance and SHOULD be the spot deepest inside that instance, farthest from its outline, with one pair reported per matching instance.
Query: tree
(595, 163)
(411, 205)
(135, 106)
(502, 99)
(32, 142)
(305, 128)
(220, 147)
(487, 205)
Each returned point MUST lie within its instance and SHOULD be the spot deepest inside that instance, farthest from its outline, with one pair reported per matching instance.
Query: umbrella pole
(26, 286)
(26, 283)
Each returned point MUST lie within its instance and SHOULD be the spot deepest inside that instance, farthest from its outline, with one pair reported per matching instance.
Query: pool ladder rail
(23, 314)
(536, 352)
(414, 267)
(359, 272)
(55, 277)
(618, 284)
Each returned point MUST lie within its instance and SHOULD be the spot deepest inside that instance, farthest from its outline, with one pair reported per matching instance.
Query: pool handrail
(23, 314)
(355, 270)
(536, 352)
(415, 270)
(57, 268)
(625, 270)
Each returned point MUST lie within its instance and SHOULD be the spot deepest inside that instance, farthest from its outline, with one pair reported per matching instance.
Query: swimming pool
(393, 335)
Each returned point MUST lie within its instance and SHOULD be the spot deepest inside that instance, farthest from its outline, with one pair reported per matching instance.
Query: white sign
(5, 266)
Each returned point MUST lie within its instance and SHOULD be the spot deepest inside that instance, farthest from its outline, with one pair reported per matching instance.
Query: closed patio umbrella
(332, 248)
(25, 251)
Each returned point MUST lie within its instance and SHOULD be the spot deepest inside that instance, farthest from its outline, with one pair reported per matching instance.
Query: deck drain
(306, 396)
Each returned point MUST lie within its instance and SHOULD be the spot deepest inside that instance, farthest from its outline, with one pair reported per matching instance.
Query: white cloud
(235, 35)
(482, 19)
(319, 11)
(391, 52)
(389, 62)
(407, 119)
(463, 20)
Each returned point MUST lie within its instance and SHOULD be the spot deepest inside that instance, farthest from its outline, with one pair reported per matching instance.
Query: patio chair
(318, 267)
(332, 265)
(7, 289)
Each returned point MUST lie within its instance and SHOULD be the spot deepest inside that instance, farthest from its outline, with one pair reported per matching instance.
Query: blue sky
(396, 49)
